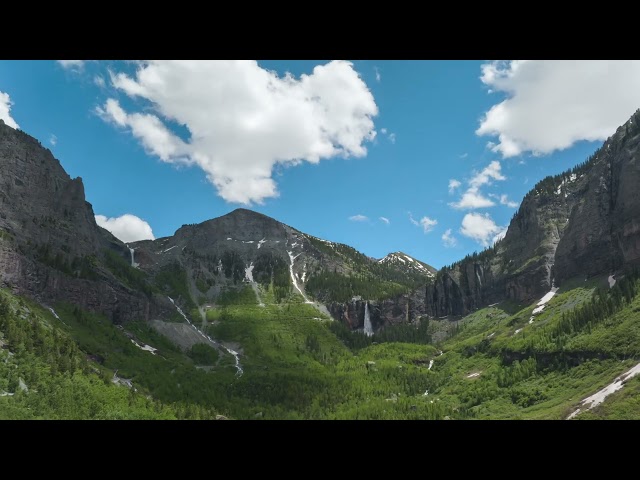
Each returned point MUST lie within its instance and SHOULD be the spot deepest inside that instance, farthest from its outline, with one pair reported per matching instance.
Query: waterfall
(131, 251)
(368, 329)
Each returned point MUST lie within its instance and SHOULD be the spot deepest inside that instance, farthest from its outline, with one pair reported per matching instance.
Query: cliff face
(583, 222)
(50, 245)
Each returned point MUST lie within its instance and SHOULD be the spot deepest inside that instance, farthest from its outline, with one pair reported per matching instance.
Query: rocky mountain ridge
(583, 222)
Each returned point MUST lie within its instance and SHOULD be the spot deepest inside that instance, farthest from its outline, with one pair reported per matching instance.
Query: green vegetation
(203, 354)
(44, 374)
(342, 288)
(123, 271)
(298, 364)
(172, 280)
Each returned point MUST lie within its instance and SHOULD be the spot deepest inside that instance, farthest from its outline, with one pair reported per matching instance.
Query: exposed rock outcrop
(583, 222)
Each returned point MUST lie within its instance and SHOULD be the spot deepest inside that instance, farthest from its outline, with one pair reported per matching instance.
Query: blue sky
(174, 144)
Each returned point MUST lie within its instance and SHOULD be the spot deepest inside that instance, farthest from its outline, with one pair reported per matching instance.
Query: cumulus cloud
(5, 110)
(425, 222)
(448, 240)
(481, 228)
(127, 228)
(243, 120)
(385, 220)
(551, 104)
(359, 218)
(473, 198)
(453, 185)
(72, 64)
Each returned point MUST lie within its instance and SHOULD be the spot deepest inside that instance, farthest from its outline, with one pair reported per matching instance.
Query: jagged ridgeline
(581, 223)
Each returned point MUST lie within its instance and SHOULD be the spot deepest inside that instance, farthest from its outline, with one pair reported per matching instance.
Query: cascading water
(368, 328)
(131, 251)
(239, 370)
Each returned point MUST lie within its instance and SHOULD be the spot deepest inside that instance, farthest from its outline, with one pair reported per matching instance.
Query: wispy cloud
(473, 197)
(53, 140)
(504, 200)
(464, 155)
(378, 76)
(359, 218)
(425, 222)
(448, 240)
(453, 185)
(385, 220)
(72, 64)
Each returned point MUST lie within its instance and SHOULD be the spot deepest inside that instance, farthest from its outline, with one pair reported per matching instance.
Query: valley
(245, 317)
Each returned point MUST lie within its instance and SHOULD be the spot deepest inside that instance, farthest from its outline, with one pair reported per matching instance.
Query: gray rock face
(585, 222)
(50, 245)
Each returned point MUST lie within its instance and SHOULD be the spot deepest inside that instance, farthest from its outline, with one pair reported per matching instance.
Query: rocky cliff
(50, 246)
(583, 222)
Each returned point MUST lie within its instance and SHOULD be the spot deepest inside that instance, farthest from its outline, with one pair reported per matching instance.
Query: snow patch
(146, 348)
(518, 331)
(248, 274)
(430, 364)
(544, 300)
(493, 304)
(293, 277)
(54, 312)
(261, 242)
(599, 397)
(170, 248)
(612, 280)
(229, 238)
(473, 375)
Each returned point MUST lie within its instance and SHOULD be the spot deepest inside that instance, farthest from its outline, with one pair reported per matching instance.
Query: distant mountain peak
(402, 259)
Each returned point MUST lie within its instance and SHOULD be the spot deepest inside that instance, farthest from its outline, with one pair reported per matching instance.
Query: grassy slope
(60, 382)
(296, 367)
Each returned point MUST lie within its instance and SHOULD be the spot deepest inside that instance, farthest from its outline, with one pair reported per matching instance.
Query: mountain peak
(401, 258)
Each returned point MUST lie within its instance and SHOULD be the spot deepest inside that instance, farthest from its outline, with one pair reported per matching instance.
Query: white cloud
(72, 64)
(426, 223)
(385, 220)
(491, 171)
(243, 119)
(473, 198)
(99, 81)
(448, 240)
(359, 218)
(127, 228)
(499, 236)
(464, 155)
(504, 200)
(390, 136)
(480, 228)
(53, 140)
(551, 104)
(378, 76)
(453, 184)
(5, 109)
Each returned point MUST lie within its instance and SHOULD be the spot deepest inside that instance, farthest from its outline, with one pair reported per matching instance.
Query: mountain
(404, 261)
(230, 316)
(50, 246)
(217, 260)
(581, 223)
